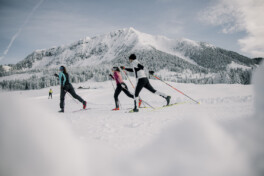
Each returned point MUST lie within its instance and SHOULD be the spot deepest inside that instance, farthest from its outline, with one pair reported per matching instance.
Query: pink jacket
(118, 77)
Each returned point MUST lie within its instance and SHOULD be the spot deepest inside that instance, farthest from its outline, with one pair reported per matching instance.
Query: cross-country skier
(67, 87)
(120, 86)
(142, 80)
(50, 93)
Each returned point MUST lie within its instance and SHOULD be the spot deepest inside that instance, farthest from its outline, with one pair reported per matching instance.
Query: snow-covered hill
(220, 136)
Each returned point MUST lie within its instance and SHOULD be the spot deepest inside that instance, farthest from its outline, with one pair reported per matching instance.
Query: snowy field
(222, 136)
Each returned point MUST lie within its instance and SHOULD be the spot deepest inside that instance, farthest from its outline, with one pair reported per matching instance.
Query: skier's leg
(126, 91)
(161, 94)
(141, 83)
(62, 97)
(151, 89)
(167, 98)
(74, 95)
(117, 92)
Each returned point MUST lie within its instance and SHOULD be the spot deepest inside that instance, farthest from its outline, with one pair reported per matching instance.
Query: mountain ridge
(107, 47)
(112, 44)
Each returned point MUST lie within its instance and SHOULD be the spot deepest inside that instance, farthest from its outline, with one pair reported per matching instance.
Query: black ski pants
(70, 89)
(119, 88)
(143, 82)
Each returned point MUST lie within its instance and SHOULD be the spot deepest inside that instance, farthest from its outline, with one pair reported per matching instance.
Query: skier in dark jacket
(142, 80)
(67, 87)
(120, 86)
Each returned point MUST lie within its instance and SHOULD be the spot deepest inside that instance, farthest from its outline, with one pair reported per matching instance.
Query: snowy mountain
(120, 43)
(181, 60)
(103, 48)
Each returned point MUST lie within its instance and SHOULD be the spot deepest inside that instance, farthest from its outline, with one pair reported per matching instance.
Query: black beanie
(62, 68)
(133, 57)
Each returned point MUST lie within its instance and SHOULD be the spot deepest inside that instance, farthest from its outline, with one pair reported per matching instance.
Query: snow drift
(36, 143)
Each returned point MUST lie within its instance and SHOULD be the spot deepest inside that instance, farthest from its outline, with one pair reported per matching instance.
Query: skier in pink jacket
(120, 86)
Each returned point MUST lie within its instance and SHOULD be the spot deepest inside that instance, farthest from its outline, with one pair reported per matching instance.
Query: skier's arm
(127, 69)
(64, 78)
(139, 67)
(111, 76)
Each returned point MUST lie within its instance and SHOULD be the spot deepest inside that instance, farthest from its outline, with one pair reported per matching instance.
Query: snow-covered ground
(222, 136)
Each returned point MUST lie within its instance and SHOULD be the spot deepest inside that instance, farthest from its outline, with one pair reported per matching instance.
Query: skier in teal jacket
(67, 87)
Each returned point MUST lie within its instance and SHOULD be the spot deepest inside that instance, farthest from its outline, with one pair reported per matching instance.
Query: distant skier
(67, 87)
(50, 93)
(120, 86)
(142, 81)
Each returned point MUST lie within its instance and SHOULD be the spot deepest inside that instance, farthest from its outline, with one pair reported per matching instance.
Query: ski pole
(112, 85)
(175, 89)
(144, 102)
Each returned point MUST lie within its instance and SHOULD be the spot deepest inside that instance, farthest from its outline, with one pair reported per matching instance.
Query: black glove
(122, 67)
(56, 75)
(151, 72)
(111, 76)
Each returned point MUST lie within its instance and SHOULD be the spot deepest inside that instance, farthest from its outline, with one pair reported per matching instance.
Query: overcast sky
(27, 25)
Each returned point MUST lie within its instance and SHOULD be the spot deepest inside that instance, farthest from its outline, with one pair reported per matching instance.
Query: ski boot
(61, 111)
(139, 102)
(134, 110)
(115, 109)
(168, 100)
(84, 104)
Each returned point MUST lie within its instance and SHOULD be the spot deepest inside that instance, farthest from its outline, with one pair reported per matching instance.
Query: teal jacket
(63, 78)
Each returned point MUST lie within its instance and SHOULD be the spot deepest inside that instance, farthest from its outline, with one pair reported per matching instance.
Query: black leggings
(143, 82)
(70, 89)
(119, 88)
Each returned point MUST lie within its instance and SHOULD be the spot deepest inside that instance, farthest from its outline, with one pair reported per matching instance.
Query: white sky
(37, 24)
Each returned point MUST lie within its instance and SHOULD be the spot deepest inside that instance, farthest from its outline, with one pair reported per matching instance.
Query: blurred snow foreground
(37, 143)
(33, 142)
